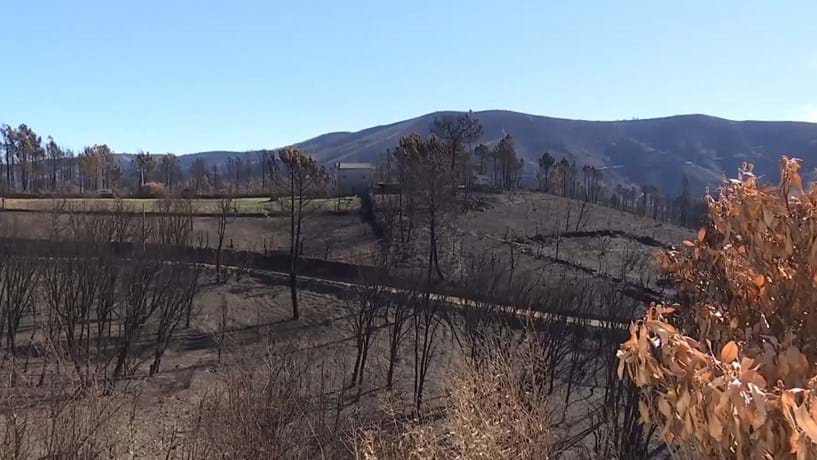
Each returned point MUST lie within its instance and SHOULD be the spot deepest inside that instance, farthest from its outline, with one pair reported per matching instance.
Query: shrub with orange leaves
(746, 386)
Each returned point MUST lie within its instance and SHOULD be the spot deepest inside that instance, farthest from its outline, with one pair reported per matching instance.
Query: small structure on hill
(353, 178)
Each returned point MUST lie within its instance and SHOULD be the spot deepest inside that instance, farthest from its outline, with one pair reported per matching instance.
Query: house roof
(354, 166)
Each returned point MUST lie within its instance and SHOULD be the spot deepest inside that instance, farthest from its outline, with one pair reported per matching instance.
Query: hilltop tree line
(33, 165)
(586, 182)
(497, 166)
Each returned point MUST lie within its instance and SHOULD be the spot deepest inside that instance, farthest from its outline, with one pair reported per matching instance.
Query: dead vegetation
(327, 370)
(729, 372)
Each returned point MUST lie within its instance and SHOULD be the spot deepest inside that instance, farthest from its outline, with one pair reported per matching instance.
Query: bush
(153, 190)
(744, 387)
(275, 410)
(62, 418)
(496, 409)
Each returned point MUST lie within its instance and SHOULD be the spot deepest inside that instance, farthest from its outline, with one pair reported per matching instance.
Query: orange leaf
(701, 233)
(760, 280)
(716, 428)
(666, 310)
(729, 352)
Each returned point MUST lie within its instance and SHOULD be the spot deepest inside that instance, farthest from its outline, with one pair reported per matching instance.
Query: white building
(353, 178)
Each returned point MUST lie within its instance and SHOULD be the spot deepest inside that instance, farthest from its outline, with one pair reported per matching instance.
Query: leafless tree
(179, 284)
(225, 217)
(362, 310)
(123, 218)
(170, 170)
(301, 179)
(105, 305)
(173, 222)
(483, 323)
(429, 319)
(198, 174)
(510, 166)
(457, 131)
(18, 289)
(546, 162)
(10, 147)
(425, 160)
(71, 289)
(142, 291)
(397, 314)
(405, 202)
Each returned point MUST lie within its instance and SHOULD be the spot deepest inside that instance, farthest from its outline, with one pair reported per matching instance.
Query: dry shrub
(745, 386)
(82, 425)
(64, 419)
(499, 410)
(496, 409)
(267, 407)
(153, 190)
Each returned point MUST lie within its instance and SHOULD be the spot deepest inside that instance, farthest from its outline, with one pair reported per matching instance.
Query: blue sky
(184, 76)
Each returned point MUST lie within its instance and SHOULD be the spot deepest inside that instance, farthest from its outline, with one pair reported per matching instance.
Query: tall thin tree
(301, 179)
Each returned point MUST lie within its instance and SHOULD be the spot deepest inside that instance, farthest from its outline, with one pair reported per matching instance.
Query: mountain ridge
(656, 151)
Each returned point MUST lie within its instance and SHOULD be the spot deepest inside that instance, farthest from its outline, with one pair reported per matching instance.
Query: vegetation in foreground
(730, 371)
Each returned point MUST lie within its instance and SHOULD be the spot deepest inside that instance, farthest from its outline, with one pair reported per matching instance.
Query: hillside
(650, 151)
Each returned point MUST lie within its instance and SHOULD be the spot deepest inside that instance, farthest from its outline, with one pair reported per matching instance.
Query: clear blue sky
(184, 75)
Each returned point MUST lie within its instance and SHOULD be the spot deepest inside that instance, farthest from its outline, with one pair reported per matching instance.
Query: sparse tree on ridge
(10, 147)
(483, 153)
(510, 165)
(55, 156)
(170, 170)
(198, 174)
(546, 161)
(565, 173)
(98, 167)
(265, 157)
(457, 131)
(27, 149)
(215, 176)
(144, 164)
(684, 200)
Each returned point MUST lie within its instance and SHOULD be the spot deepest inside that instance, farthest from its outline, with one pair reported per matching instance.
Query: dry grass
(495, 409)
(531, 213)
(62, 418)
(256, 205)
(273, 410)
(326, 236)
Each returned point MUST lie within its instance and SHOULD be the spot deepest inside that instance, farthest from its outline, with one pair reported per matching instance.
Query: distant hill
(650, 151)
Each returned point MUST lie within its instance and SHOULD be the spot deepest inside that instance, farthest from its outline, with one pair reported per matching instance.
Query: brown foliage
(153, 190)
(745, 388)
